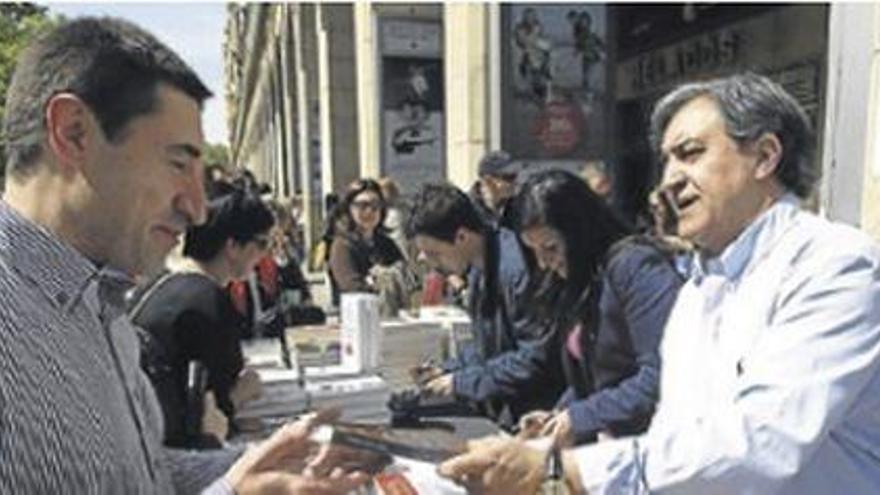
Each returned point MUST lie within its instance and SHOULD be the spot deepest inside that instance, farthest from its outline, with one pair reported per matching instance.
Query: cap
(497, 163)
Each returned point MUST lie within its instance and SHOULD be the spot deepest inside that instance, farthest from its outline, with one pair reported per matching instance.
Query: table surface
(406, 341)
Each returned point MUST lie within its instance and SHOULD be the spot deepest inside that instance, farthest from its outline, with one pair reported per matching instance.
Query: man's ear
(70, 128)
(461, 235)
(769, 151)
(230, 248)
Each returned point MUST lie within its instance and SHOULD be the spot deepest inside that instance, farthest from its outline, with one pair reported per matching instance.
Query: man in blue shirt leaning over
(513, 365)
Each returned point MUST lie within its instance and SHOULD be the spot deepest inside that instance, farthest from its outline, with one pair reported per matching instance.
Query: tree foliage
(216, 154)
(19, 23)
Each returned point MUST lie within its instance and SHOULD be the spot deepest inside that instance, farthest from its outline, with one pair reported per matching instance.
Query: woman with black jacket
(187, 318)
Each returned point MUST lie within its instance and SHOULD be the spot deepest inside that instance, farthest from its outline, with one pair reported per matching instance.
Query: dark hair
(439, 210)
(240, 216)
(110, 64)
(752, 105)
(587, 225)
(390, 188)
(342, 211)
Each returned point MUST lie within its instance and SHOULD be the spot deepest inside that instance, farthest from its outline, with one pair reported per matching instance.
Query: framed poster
(554, 80)
(412, 133)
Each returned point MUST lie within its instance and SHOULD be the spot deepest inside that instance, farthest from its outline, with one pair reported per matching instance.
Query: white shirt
(770, 371)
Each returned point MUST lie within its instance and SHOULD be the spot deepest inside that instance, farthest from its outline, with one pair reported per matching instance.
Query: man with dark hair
(771, 355)
(512, 366)
(104, 175)
(495, 185)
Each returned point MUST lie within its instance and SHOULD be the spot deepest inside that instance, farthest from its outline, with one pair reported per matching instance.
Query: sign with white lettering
(679, 62)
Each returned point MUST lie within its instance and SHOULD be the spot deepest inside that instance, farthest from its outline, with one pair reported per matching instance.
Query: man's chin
(151, 270)
(153, 265)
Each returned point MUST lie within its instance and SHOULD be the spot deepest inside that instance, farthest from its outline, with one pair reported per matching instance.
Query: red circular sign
(559, 128)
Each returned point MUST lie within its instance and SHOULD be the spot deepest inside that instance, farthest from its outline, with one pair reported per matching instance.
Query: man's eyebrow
(677, 147)
(188, 149)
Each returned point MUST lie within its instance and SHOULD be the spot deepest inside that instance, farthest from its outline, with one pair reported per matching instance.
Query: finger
(550, 426)
(331, 456)
(326, 486)
(532, 432)
(537, 418)
(336, 472)
(210, 401)
(430, 388)
(290, 439)
(323, 416)
(321, 462)
(489, 442)
(469, 465)
(472, 486)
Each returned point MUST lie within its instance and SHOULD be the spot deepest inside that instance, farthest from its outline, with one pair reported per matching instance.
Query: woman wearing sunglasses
(188, 318)
(360, 240)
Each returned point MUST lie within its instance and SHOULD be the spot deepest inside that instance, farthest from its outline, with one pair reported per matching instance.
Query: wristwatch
(554, 475)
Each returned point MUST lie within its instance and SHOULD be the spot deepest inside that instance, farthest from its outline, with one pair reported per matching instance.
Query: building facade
(320, 94)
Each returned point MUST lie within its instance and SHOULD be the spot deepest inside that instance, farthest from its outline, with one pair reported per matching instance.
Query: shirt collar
(751, 244)
(60, 271)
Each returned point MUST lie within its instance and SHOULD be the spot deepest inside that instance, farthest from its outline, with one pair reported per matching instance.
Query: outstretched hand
(276, 466)
(497, 466)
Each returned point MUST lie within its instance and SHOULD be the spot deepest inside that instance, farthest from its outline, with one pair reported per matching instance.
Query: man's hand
(497, 465)
(441, 386)
(424, 373)
(663, 202)
(532, 424)
(270, 467)
(559, 427)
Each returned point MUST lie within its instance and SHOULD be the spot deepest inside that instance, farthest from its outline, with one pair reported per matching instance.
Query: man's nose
(192, 201)
(673, 179)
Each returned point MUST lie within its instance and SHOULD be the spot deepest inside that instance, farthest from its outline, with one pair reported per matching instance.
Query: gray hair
(752, 105)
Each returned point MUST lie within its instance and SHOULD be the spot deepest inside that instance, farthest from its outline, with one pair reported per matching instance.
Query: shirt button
(61, 298)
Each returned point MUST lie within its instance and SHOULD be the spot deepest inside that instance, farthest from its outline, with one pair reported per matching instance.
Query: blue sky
(193, 30)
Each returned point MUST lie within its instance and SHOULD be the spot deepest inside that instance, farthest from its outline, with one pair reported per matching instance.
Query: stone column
(467, 96)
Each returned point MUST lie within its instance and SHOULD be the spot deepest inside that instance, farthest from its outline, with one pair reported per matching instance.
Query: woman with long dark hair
(609, 292)
(360, 240)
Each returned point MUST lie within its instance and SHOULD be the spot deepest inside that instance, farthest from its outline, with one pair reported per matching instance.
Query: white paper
(359, 335)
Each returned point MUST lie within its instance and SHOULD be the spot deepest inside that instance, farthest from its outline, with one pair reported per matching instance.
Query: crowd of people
(733, 348)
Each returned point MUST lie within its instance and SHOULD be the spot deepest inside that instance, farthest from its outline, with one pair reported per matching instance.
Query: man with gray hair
(771, 356)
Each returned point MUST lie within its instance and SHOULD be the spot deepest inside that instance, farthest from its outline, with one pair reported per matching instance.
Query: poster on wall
(554, 80)
(412, 103)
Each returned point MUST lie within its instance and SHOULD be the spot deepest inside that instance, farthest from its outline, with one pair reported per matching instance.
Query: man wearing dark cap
(495, 185)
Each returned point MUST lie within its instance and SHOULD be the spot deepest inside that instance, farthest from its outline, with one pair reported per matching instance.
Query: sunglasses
(363, 205)
(262, 241)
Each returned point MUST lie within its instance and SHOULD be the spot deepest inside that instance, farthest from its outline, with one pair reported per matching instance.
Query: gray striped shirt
(77, 414)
